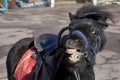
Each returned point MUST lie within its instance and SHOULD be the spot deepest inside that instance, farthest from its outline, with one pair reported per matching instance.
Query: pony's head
(86, 34)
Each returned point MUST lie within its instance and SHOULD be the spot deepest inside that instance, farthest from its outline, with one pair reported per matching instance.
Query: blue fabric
(48, 42)
(50, 46)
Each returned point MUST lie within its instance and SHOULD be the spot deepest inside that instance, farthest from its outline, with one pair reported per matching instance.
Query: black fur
(87, 19)
(15, 53)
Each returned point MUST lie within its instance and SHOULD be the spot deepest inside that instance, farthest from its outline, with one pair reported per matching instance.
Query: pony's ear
(72, 17)
(103, 25)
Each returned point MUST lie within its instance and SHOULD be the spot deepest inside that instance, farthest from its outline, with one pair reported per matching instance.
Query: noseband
(94, 46)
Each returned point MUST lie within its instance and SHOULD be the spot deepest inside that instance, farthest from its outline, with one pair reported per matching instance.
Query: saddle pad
(25, 66)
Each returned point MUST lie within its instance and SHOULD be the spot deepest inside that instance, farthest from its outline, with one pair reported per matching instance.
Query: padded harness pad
(45, 42)
(27, 63)
(25, 66)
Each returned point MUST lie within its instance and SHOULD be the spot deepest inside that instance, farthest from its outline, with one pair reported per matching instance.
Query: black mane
(98, 13)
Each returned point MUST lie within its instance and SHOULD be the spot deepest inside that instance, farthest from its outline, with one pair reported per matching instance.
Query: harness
(93, 47)
(46, 61)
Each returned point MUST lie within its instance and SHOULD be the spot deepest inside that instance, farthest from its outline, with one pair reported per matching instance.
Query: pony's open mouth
(75, 55)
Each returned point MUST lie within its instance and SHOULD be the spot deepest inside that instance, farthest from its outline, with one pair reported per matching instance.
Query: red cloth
(25, 66)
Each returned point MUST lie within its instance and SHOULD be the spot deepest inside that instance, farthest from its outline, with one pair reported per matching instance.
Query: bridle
(93, 47)
(89, 47)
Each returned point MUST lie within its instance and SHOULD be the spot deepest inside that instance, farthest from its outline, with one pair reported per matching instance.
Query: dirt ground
(20, 23)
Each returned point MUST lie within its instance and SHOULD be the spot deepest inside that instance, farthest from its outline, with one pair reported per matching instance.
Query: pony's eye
(93, 32)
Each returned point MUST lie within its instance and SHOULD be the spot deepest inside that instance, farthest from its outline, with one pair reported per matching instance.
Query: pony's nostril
(78, 50)
(77, 57)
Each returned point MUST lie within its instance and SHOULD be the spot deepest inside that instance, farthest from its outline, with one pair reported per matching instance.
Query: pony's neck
(75, 73)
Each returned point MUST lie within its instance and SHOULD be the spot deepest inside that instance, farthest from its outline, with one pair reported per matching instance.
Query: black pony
(75, 52)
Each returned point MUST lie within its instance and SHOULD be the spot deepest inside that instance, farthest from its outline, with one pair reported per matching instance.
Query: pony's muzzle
(75, 56)
(76, 45)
